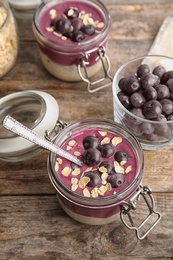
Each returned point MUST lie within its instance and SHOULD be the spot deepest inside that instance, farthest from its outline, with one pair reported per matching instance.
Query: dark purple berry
(72, 13)
(91, 142)
(149, 80)
(124, 99)
(62, 25)
(108, 165)
(88, 29)
(166, 76)
(150, 93)
(107, 150)
(159, 71)
(116, 180)
(162, 91)
(121, 156)
(95, 178)
(152, 109)
(137, 99)
(169, 83)
(137, 112)
(77, 24)
(131, 85)
(142, 70)
(78, 36)
(147, 128)
(92, 157)
(167, 106)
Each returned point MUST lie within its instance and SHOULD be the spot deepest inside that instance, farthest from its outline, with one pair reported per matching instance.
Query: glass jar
(103, 209)
(66, 59)
(24, 9)
(36, 110)
(8, 38)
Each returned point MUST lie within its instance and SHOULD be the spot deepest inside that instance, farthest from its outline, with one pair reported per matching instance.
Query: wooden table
(32, 224)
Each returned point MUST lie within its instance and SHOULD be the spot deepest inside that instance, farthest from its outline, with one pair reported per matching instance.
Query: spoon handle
(16, 127)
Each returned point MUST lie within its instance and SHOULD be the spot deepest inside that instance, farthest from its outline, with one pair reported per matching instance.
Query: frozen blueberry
(91, 142)
(95, 178)
(116, 180)
(91, 156)
(159, 71)
(77, 24)
(149, 80)
(71, 13)
(162, 91)
(108, 165)
(142, 70)
(150, 93)
(124, 99)
(152, 109)
(62, 25)
(121, 156)
(137, 99)
(107, 150)
(78, 36)
(166, 76)
(88, 29)
(167, 106)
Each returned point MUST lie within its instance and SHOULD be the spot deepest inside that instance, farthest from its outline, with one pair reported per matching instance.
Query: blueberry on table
(95, 178)
(121, 156)
(142, 70)
(116, 180)
(107, 150)
(92, 157)
(108, 165)
(91, 142)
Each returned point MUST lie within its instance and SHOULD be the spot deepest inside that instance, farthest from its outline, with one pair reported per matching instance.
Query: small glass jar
(101, 210)
(64, 58)
(8, 38)
(36, 110)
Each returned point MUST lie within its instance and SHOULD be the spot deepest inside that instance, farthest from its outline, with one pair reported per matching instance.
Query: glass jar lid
(37, 110)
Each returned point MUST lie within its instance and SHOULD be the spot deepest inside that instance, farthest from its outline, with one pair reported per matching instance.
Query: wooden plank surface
(32, 224)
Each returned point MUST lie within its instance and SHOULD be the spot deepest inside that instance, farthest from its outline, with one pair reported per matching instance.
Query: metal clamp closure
(106, 69)
(149, 222)
(52, 134)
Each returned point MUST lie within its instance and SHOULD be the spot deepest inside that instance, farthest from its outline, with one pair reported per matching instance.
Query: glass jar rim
(74, 46)
(114, 89)
(119, 128)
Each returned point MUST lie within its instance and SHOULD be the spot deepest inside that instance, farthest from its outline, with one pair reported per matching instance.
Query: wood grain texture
(32, 224)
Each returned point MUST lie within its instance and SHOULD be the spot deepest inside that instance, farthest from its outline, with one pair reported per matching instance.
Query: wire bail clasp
(106, 69)
(126, 210)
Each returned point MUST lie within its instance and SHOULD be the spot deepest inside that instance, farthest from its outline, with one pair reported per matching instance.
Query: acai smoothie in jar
(72, 38)
(109, 180)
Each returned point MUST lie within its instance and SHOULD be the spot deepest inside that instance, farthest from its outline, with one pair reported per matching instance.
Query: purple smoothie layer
(63, 50)
(71, 178)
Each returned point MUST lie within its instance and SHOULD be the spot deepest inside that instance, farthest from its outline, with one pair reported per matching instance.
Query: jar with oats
(8, 38)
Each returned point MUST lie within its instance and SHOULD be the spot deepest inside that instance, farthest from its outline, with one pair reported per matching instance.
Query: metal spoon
(16, 127)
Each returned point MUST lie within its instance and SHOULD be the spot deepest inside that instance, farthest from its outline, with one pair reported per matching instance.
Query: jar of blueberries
(72, 38)
(109, 181)
(143, 99)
